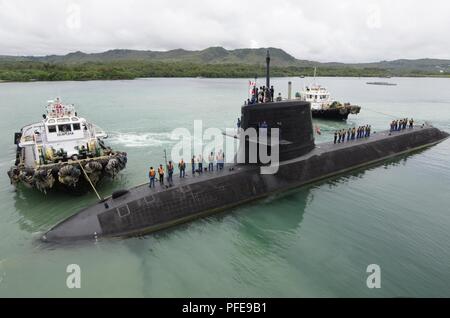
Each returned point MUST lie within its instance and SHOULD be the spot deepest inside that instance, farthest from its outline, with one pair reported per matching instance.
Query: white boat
(323, 105)
(58, 148)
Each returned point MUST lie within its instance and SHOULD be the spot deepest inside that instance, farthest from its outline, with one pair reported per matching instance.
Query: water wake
(139, 140)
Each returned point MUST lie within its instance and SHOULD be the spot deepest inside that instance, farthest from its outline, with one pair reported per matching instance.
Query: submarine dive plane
(142, 210)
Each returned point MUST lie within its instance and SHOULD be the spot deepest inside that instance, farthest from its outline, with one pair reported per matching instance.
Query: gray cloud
(323, 30)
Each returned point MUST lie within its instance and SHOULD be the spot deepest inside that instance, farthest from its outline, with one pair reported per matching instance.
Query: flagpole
(254, 89)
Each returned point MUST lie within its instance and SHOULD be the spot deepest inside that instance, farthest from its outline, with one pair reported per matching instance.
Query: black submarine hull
(143, 210)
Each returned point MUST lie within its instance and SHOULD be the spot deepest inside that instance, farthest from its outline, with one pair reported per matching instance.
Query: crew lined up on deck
(400, 124)
(196, 165)
(261, 95)
(352, 133)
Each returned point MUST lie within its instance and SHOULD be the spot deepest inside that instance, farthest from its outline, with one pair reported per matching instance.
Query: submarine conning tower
(292, 117)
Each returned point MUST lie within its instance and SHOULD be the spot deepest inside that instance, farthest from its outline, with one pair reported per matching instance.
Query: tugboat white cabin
(61, 135)
(318, 96)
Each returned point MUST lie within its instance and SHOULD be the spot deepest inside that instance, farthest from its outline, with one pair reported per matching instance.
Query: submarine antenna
(90, 182)
(267, 69)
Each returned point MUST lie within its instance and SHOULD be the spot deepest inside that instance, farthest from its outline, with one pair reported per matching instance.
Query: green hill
(210, 62)
(212, 55)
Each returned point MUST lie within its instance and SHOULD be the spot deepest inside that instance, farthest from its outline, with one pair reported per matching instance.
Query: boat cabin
(59, 136)
(317, 95)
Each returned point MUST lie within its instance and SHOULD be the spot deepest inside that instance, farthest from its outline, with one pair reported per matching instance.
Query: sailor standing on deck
(220, 158)
(211, 162)
(170, 169)
(193, 165)
(161, 174)
(200, 163)
(182, 167)
(217, 162)
(151, 175)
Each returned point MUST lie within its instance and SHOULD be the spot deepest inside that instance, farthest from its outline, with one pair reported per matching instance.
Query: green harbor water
(315, 241)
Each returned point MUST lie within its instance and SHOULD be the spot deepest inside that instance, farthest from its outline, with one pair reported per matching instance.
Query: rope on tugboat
(90, 182)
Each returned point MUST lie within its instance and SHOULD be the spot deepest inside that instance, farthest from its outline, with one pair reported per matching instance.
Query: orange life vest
(161, 170)
(151, 173)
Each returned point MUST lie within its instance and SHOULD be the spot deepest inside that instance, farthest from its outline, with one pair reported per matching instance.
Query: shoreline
(204, 77)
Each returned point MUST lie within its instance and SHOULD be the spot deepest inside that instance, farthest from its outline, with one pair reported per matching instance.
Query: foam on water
(138, 140)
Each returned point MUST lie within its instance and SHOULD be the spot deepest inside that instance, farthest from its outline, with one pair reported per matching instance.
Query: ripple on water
(137, 140)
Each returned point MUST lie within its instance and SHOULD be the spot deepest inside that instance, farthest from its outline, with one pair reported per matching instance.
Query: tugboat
(323, 106)
(63, 151)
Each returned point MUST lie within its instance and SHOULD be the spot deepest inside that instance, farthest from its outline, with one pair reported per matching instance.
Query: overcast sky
(321, 30)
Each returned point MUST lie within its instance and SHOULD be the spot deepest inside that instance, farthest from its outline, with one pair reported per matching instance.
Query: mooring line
(88, 179)
(381, 113)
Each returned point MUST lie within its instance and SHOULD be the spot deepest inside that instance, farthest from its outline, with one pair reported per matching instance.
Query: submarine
(141, 210)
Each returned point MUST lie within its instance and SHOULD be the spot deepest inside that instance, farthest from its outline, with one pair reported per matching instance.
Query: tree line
(22, 71)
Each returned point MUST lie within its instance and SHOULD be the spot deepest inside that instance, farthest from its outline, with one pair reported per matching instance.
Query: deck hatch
(123, 211)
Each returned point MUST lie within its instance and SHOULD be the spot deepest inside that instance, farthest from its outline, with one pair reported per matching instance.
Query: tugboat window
(76, 127)
(64, 128)
(51, 129)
